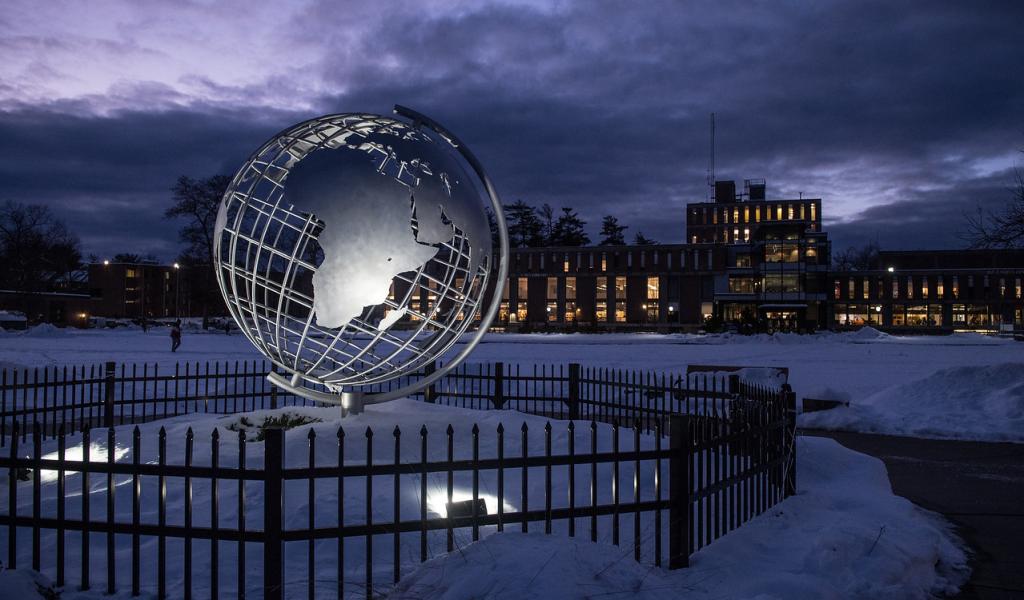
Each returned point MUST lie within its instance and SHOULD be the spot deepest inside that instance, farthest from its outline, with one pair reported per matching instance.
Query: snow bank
(46, 330)
(845, 535)
(24, 584)
(973, 403)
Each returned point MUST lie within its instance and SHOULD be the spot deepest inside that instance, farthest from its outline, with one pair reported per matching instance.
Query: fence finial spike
(547, 427)
(450, 429)
(216, 434)
(423, 430)
(163, 432)
(572, 426)
(476, 429)
(188, 434)
(311, 435)
(397, 432)
(501, 428)
(369, 432)
(525, 427)
(341, 432)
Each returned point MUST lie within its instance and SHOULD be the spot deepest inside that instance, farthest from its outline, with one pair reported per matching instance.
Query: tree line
(533, 227)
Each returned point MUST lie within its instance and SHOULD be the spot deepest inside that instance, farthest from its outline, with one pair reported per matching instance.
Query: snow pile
(845, 535)
(46, 330)
(24, 584)
(866, 334)
(974, 403)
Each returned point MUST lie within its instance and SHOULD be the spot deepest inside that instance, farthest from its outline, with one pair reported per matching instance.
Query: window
(851, 286)
(838, 292)
(552, 311)
(895, 288)
(778, 212)
(620, 311)
(565, 263)
(746, 214)
(741, 285)
(792, 215)
(757, 214)
(552, 290)
(522, 287)
(785, 283)
(736, 234)
(542, 255)
(601, 295)
(504, 291)
(620, 288)
(924, 288)
(813, 218)
(604, 261)
(743, 261)
(746, 234)
(570, 311)
(899, 316)
(865, 292)
(802, 214)
(570, 299)
(917, 315)
(959, 315)
(956, 287)
(653, 288)
(629, 260)
(1002, 287)
(910, 287)
(591, 259)
(503, 315)
(1017, 287)
(935, 315)
(940, 290)
(643, 259)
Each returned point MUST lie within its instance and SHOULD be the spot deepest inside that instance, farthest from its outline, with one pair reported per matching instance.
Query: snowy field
(844, 535)
(960, 386)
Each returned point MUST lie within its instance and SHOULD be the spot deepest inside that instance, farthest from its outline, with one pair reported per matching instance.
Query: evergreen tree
(568, 230)
(525, 229)
(611, 232)
(547, 219)
(642, 240)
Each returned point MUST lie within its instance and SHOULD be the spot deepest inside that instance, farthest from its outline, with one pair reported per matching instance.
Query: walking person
(175, 335)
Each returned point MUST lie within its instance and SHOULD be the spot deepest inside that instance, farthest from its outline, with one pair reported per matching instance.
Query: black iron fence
(206, 518)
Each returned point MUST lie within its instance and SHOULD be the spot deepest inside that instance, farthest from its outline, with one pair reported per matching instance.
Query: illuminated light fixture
(177, 266)
(106, 262)
(671, 309)
(891, 269)
(549, 309)
(878, 309)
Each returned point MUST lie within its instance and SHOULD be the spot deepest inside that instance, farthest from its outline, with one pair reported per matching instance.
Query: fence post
(273, 508)
(574, 391)
(734, 384)
(109, 371)
(789, 397)
(680, 483)
(273, 396)
(499, 385)
(430, 394)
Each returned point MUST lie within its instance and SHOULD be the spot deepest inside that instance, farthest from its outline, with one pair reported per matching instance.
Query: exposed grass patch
(255, 429)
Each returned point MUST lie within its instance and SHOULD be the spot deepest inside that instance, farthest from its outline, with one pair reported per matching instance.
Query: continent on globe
(367, 237)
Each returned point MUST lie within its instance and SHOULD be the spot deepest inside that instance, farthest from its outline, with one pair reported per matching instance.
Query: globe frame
(354, 397)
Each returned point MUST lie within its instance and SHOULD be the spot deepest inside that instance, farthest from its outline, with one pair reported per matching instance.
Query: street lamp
(177, 288)
(892, 269)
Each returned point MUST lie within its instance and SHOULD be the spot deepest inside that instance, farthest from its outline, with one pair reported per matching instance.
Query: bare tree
(37, 251)
(1003, 229)
(854, 258)
(197, 201)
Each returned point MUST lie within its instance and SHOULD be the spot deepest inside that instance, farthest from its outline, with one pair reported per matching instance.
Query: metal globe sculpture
(355, 249)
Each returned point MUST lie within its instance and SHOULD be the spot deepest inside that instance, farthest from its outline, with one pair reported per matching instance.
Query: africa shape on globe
(341, 228)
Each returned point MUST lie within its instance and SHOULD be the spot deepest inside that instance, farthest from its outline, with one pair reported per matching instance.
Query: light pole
(177, 288)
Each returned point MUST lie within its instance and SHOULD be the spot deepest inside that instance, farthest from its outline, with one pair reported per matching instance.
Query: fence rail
(360, 505)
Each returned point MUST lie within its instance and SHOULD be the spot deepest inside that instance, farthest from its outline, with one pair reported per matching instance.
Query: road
(979, 486)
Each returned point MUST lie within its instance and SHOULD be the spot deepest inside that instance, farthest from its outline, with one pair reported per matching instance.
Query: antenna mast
(711, 157)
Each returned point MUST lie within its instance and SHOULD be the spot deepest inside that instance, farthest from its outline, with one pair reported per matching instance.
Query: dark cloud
(900, 116)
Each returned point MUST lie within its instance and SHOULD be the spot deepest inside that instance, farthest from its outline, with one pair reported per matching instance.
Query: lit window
(895, 288)
(746, 214)
(601, 295)
(1018, 288)
(851, 294)
(757, 214)
(924, 287)
(778, 212)
(910, 287)
(620, 288)
(813, 218)
(570, 288)
(802, 207)
(552, 310)
(940, 290)
(570, 311)
(792, 215)
(604, 261)
(956, 286)
(865, 292)
(653, 288)
(522, 289)
(735, 215)
(552, 288)
(746, 234)
(1002, 287)
(620, 311)
(565, 263)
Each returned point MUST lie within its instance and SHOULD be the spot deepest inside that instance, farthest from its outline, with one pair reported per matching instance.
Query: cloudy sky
(901, 116)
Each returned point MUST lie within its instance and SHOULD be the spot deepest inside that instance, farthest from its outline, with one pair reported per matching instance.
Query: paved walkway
(978, 486)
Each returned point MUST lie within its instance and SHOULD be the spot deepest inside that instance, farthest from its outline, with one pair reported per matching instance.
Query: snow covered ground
(844, 535)
(898, 385)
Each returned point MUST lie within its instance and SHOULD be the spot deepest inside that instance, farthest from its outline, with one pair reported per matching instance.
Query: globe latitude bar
(279, 320)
